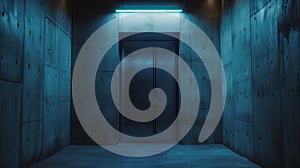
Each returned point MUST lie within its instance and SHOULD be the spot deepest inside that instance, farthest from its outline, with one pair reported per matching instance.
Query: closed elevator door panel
(143, 82)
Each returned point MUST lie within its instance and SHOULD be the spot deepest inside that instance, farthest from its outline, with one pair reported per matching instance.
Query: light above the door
(148, 10)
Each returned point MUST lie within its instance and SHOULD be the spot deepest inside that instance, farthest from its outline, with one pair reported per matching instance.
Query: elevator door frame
(176, 51)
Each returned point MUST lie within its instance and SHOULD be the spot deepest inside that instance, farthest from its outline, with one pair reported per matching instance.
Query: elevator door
(141, 85)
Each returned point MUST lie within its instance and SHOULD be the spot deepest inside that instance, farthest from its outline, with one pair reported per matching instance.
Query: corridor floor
(180, 156)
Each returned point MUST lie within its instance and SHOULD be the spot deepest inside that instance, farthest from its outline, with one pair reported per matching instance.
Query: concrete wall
(206, 15)
(259, 45)
(85, 21)
(88, 17)
(35, 49)
(260, 52)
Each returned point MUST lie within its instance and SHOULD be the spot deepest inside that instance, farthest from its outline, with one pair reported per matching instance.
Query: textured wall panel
(226, 38)
(33, 61)
(32, 137)
(64, 109)
(10, 124)
(265, 66)
(242, 82)
(11, 40)
(51, 85)
(33, 93)
(65, 51)
(64, 65)
(226, 55)
(290, 118)
(58, 10)
(242, 97)
(241, 122)
(257, 5)
(34, 27)
(51, 122)
(290, 100)
(241, 41)
(51, 39)
(50, 108)
(267, 120)
(244, 144)
(56, 88)
(289, 27)
(228, 115)
(264, 40)
(33, 76)
(22, 39)
(64, 85)
(275, 95)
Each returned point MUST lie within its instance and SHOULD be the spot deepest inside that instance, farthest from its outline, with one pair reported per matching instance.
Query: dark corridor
(258, 47)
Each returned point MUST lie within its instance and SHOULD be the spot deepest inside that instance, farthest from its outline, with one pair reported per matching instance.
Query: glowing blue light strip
(148, 10)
